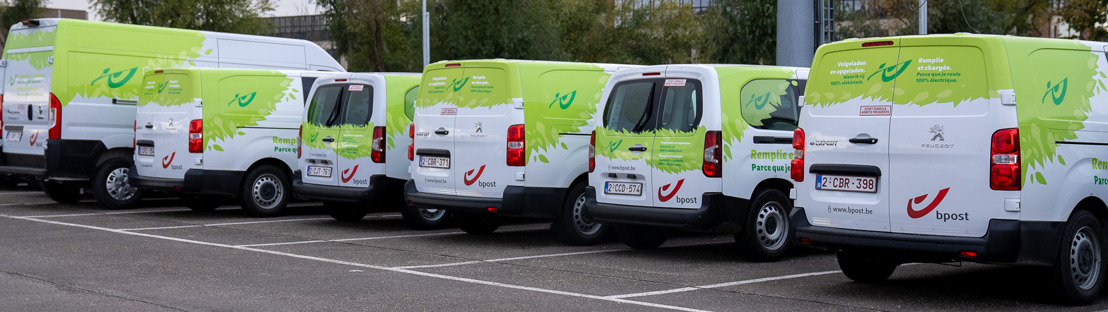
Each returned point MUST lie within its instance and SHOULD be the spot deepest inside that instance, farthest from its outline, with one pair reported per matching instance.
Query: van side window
(681, 110)
(359, 105)
(630, 105)
(771, 104)
(323, 109)
(306, 84)
(409, 102)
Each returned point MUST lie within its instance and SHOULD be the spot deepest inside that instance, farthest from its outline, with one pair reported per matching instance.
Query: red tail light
(592, 152)
(196, 136)
(877, 43)
(1004, 172)
(713, 154)
(516, 146)
(55, 117)
(299, 138)
(378, 153)
(796, 170)
(411, 143)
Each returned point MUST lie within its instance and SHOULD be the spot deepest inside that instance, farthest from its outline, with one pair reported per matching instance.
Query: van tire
(865, 267)
(640, 237)
(1078, 275)
(200, 203)
(62, 192)
(573, 227)
(112, 187)
(345, 212)
(265, 192)
(767, 234)
(425, 219)
(476, 224)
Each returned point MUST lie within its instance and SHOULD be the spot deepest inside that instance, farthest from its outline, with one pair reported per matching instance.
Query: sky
(283, 7)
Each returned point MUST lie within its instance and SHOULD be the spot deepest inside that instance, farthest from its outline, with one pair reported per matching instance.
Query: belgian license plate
(317, 171)
(846, 183)
(623, 188)
(14, 136)
(434, 162)
(146, 150)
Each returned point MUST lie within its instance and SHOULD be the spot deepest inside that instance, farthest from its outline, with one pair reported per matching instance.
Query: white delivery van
(696, 147)
(215, 133)
(353, 150)
(70, 89)
(506, 138)
(957, 148)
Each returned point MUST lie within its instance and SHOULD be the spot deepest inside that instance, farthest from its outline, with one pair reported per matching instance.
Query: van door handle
(864, 140)
(442, 131)
(638, 148)
(328, 139)
(148, 126)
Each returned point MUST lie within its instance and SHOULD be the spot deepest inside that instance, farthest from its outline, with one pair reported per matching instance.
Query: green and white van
(506, 138)
(213, 133)
(696, 147)
(957, 148)
(70, 89)
(354, 143)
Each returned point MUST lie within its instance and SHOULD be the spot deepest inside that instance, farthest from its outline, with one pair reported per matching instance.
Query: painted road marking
(106, 213)
(750, 281)
(348, 239)
(221, 224)
(507, 259)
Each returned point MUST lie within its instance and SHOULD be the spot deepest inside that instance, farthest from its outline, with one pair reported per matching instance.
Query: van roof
(68, 22)
(997, 41)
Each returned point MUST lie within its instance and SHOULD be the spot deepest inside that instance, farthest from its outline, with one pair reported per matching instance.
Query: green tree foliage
(469, 29)
(753, 23)
(236, 16)
(860, 19)
(376, 35)
(1084, 17)
(15, 11)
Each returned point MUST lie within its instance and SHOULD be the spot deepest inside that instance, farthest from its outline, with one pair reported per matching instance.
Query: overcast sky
(283, 7)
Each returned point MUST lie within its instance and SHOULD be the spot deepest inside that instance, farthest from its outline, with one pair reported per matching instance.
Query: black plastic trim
(381, 191)
(855, 170)
(715, 210)
(517, 201)
(196, 181)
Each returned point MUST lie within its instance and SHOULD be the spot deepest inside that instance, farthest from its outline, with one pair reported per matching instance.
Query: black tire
(425, 219)
(345, 212)
(865, 267)
(767, 234)
(574, 228)
(9, 181)
(640, 237)
(265, 191)
(62, 192)
(111, 185)
(201, 203)
(476, 224)
(1078, 276)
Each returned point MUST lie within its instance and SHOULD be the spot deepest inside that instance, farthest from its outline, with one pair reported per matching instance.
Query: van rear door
(355, 140)
(168, 103)
(319, 164)
(27, 91)
(625, 138)
(433, 167)
(678, 149)
(485, 112)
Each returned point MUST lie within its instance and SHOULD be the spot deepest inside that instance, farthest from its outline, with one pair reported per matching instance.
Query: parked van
(214, 133)
(506, 138)
(957, 148)
(696, 147)
(70, 89)
(353, 150)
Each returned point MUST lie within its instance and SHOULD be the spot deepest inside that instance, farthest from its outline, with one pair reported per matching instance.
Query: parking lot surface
(165, 257)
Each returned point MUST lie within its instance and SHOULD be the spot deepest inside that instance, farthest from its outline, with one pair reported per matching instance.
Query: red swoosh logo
(346, 178)
(469, 181)
(667, 197)
(916, 214)
(166, 161)
(34, 138)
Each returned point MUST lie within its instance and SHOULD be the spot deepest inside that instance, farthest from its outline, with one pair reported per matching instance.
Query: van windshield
(629, 107)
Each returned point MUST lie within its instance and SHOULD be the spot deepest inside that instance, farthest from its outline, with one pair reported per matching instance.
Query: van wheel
(425, 219)
(573, 227)
(1078, 275)
(865, 267)
(112, 187)
(476, 224)
(765, 236)
(265, 191)
(62, 192)
(640, 237)
(200, 203)
(345, 212)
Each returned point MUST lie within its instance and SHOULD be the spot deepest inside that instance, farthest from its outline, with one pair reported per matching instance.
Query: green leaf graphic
(1039, 177)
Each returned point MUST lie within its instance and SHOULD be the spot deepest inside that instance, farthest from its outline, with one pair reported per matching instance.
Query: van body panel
(170, 102)
(402, 91)
(29, 73)
(438, 103)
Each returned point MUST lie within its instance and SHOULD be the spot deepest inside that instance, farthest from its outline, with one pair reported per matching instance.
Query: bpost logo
(112, 77)
(916, 214)
(243, 100)
(673, 193)
(759, 101)
(311, 138)
(34, 138)
(161, 86)
(1057, 95)
(469, 181)
(168, 160)
(459, 84)
(348, 175)
(885, 71)
(563, 100)
(613, 145)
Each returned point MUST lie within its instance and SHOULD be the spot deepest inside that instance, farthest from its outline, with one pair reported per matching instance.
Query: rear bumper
(517, 201)
(196, 181)
(715, 211)
(380, 189)
(62, 159)
(1006, 241)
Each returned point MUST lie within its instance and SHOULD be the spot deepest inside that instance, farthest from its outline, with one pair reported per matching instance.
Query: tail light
(516, 146)
(299, 138)
(378, 153)
(411, 142)
(1, 111)
(796, 170)
(592, 152)
(134, 136)
(55, 117)
(713, 154)
(1004, 172)
(196, 136)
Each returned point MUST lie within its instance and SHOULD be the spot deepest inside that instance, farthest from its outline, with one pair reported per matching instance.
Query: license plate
(14, 136)
(846, 183)
(434, 162)
(146, 150)
(317, 171)
(623, 188)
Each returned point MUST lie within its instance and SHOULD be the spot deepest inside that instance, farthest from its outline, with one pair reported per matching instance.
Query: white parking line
(22, 192)
(221, 224)
(348, 239)
(107, 213)
(751, 281)
(506, 259)
(368, 266)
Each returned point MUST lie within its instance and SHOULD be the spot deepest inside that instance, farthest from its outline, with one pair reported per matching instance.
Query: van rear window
(681, 109)
(359, 105)
(324, 107)
(629, 106)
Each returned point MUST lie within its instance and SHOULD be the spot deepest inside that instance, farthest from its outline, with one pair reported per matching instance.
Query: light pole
(426, 35)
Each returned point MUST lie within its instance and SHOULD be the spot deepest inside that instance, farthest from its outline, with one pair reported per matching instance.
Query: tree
(375, 35)
(15, 11)
(1084, 17)
(743, 31)
(236, 16)
(473, 29)
(872, 18)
